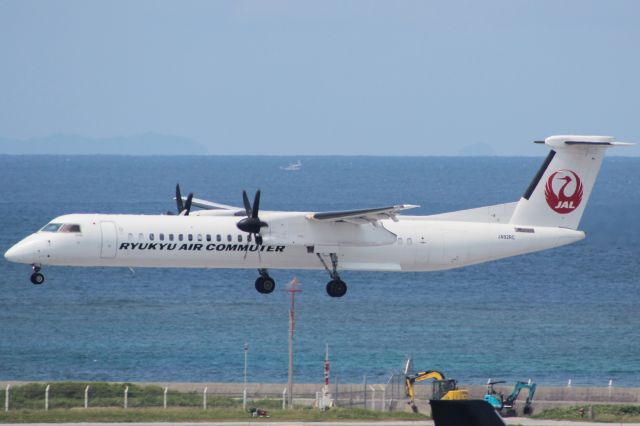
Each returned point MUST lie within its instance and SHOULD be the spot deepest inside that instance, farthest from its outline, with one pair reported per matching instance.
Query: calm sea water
(569, 313)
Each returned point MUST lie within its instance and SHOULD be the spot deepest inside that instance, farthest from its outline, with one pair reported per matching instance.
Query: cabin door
(109, 237)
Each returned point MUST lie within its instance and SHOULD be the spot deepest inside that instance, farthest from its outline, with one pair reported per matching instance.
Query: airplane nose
(21, 253)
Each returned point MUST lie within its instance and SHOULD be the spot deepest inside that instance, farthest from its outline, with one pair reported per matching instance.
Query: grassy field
(106, 400)
(599, 413)
(193, 415)
(71, 395)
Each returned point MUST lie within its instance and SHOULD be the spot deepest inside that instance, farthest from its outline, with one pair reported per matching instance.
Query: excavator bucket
(472, 412)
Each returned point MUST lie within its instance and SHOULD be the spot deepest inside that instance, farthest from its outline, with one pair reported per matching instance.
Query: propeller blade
(187, 206)
(179, 199)
(247, 205)
(256, 205)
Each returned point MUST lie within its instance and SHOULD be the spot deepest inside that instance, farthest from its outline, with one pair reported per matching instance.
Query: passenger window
(190, 237)
(218, 237)
(229, 238)
(161, 237)
(130, 237)
(208, 237)
(170, 237)
(400, 241)
(151, 236)
(239, 238)
(249, 238)
(199, 237)
(409, 241)
(180, 237)
(140, 237)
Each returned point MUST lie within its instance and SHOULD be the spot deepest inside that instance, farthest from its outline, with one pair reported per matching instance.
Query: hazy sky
(323, 77)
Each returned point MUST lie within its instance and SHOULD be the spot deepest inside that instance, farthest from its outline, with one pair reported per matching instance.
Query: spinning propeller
(252, 223)
(183, 207)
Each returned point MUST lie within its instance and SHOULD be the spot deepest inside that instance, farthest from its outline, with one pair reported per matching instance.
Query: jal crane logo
(563, 191)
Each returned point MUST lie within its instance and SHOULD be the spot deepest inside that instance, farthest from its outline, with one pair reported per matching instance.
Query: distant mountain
(142, 144)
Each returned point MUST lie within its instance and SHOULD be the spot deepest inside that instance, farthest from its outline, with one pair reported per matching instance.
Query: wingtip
(407, 206)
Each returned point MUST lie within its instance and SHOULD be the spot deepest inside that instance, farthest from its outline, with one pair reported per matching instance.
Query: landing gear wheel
(336, 288)
(265, 285)
(37, 278)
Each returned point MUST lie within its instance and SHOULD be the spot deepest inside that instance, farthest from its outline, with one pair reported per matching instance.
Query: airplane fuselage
(421, 244)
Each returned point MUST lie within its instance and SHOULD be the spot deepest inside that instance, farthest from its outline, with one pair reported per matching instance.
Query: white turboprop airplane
(374, 239)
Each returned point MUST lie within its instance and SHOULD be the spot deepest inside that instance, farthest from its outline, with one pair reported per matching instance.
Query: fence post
(6, 398)
(569, 383)
(164, 397)
(126, 396)
(365, 392)
(284, 399)
(86, 397)
(46, 398)
(204, 398)
(373, 397)
(384, 398)
(336, 392)
(244, 399)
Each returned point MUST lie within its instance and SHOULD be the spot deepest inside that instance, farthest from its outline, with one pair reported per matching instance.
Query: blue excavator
(506, 406)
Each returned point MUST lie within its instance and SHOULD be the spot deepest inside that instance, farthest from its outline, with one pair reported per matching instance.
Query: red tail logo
(558, 184)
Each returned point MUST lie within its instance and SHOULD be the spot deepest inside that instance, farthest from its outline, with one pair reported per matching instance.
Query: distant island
(68, 144)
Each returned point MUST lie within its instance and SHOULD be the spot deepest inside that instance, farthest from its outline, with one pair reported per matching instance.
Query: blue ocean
(568, 313)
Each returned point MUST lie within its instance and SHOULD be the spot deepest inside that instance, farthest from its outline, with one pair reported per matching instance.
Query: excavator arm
(511, 399)
(419, 377)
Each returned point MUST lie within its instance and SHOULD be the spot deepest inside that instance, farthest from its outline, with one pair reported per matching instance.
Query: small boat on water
(292, 167)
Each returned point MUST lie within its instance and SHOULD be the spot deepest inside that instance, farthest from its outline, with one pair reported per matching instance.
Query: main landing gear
(36, 278)
(336, 287)
(265, 284)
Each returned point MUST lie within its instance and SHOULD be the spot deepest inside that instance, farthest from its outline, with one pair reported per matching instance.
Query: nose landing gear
(265, 284)
(36, 278)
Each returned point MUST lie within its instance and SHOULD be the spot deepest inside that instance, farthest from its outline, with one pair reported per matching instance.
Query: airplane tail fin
(559, 192)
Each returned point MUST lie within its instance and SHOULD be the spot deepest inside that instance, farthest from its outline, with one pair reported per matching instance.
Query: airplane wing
(210, 205)
(361, 216)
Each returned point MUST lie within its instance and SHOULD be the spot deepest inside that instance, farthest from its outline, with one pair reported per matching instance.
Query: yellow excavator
(443, 388)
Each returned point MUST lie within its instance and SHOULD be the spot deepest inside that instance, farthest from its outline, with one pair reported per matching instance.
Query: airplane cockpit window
(51, 227)
(68, 227)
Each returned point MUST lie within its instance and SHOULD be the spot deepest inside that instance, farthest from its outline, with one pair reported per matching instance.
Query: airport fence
(77, 395)
(382, 397)
(60, 395)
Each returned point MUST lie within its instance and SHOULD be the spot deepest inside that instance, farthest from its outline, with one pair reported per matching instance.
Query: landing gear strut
(36, 278)
(336, 287)
(265, 284)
